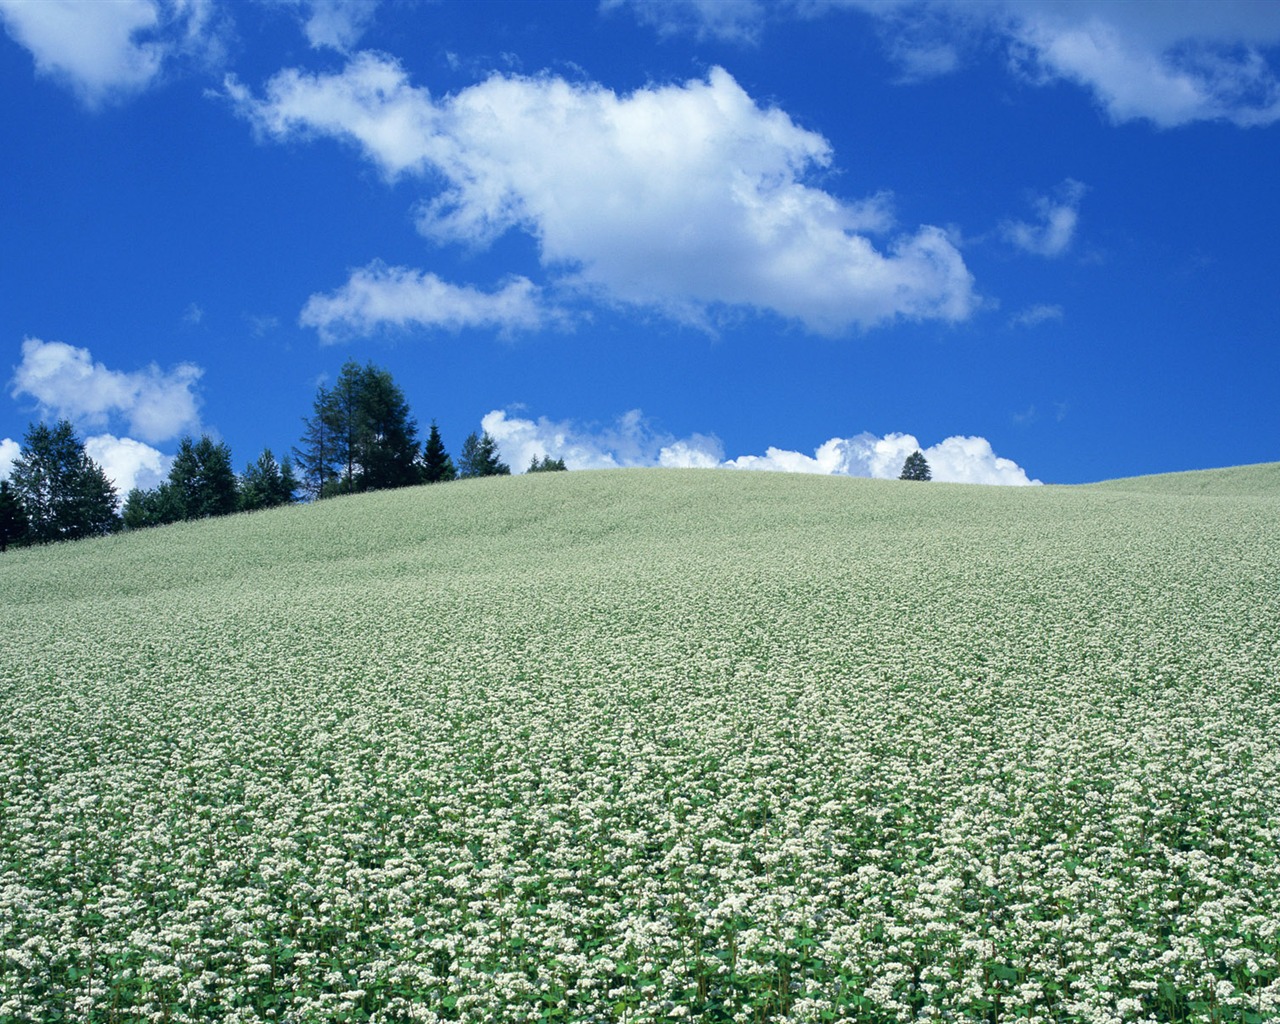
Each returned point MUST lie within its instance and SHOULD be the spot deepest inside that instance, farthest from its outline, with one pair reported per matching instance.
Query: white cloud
(633, 441)
(687, 198)
(1171, 62)
(1033, 316)
(1052, 234)
(105, 51)
(380, 296)
(67, 383)
(337, 24)
(9, 452)
(128, 463)
(738, 21)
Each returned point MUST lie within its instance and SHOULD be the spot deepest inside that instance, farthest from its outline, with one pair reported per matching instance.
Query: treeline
(361, 436)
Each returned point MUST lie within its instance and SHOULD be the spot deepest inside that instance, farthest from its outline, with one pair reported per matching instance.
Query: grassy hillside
(1233, 481)
(645, 744)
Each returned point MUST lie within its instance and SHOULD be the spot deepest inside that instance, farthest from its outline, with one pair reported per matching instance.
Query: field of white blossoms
(647, 745)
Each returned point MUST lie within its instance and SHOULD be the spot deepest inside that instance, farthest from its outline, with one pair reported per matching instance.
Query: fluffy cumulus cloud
(1170, 62)
(634, 441)
(128, 463)
(105, 51)
(379, 296)
(1052, 232)
(9, 452)
(67, 383)
(689, 198)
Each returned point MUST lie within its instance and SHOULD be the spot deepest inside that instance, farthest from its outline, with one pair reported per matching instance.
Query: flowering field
(646, 745)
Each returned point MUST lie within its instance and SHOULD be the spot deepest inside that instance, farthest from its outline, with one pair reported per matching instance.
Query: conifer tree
(437, 466)
(317, 458)
(916, 468)
(267, 483)
(64, 493)
(201, 479)
(480, 457)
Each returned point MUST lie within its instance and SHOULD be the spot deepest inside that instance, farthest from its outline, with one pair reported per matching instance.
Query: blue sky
(1038, 240)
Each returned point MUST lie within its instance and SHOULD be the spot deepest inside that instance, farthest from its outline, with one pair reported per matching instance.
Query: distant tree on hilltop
(267, 483)
(361, 437)
(437, 466)
(916, 468)
(546, 465)
(480, 457)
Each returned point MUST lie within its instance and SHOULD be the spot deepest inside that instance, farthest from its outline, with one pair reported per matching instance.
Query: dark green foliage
(546, 465)
(916, 467)
(317, 458)
(202, 480)
(388, 433)
(64, 493)
(13, 517)
(155, 507)
(267, 483)
(480, 457)
(437, 466)
(361, 437)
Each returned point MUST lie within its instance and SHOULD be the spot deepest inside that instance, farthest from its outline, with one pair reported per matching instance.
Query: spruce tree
(916, 468)
(437, 467)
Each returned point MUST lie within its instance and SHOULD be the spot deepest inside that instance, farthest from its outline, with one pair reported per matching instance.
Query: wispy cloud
(1168, 63)
(633, 440)
(66, 382)
(686, 198)
(1033, 316)
(379, 296)
(1059, 214)
(337, 24)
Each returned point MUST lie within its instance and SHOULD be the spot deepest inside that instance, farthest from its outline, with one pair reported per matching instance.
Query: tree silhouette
(916, 468)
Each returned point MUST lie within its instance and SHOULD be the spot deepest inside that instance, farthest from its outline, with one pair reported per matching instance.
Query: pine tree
(156, 507)
(201, 478)
(546, 465)
(267, 483)
(362, 436)
(480, 457)
(916, 468)
(388, 452)
(437, 467)
(13, 517)
(64, 492)
(317, 458)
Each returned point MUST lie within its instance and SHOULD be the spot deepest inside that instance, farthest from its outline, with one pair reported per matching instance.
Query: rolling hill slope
(643, 744)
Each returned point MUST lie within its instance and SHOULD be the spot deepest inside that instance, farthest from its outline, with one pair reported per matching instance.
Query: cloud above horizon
(105, 52)
(66, 382)
(379, 296)
(632, 440)
(1168, 63)
(690, 199)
